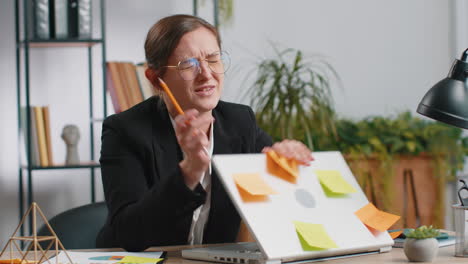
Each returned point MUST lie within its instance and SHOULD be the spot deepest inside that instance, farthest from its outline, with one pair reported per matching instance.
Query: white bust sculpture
(71, 136)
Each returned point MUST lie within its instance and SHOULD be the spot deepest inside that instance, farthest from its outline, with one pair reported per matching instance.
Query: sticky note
(11, 261)
(333, 182)
(395, 234)
(253, 184)
(313, 236)
(133, 259)
(287, 169)
(373, 217)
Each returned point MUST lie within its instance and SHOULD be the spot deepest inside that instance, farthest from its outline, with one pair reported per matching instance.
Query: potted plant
(421, 244)
(291, 96)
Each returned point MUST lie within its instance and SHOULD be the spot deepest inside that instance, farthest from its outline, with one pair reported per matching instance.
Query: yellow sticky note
(133, 259)
(373, 217)
(253, 184)
(334, 182)
(313, 236)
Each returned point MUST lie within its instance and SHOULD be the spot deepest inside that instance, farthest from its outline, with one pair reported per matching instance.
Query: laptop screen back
(272, 220)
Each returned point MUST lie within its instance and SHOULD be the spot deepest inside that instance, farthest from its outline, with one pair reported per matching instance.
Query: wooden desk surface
(396, 255)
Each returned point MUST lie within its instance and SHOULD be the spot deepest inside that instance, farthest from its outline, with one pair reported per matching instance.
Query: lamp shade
(447, 100)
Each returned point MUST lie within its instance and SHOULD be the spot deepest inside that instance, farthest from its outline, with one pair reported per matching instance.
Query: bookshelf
(25, 43)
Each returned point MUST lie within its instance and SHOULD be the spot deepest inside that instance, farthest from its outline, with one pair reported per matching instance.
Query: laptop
(271, 221)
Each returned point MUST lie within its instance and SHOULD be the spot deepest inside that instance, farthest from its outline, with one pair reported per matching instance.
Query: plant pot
(421, 250)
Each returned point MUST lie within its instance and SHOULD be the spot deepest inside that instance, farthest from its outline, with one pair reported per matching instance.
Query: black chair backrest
(77, 228)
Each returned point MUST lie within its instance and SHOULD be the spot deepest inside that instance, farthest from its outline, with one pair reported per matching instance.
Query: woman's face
(204, 91)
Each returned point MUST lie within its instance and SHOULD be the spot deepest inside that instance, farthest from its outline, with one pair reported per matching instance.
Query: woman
(155, 163)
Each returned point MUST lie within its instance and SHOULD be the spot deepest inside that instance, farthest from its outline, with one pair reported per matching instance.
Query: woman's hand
(191, 132)
(292, 149)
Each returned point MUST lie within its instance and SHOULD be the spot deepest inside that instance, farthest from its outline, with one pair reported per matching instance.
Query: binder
(41, 18)
(73, 18)
(79, 18)
(60, 21)
(84, 18)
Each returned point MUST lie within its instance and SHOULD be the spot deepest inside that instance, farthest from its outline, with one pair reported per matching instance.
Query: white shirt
(200, 215)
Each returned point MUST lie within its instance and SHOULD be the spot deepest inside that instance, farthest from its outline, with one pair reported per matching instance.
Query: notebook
(273, 220)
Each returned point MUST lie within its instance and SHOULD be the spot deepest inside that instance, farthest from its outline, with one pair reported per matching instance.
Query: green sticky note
(332, 181)
(313, 236)
(132, 259)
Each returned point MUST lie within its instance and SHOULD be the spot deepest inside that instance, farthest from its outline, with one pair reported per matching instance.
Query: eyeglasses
(189, 69)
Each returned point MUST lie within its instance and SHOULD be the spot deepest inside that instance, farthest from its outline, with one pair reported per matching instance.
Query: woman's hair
(164, 36)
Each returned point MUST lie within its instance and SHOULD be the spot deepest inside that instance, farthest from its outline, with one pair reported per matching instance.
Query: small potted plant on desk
(421, 244)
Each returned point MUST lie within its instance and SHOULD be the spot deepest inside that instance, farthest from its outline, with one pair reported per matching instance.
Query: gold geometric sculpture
(34, 253)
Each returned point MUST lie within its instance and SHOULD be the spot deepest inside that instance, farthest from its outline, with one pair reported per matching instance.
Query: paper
(287, 169)
(133, 259)
(12, 261)
(395, 234)
(333, 182)
(313, 236)
(253, 184)
(252, 188)
(103, 257)
(373, 217)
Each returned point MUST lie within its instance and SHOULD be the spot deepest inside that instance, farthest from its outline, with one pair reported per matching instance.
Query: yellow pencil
(171, 97)
(176, 105)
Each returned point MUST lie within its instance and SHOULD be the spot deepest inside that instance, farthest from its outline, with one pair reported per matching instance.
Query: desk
(396, 255)
(445, 255)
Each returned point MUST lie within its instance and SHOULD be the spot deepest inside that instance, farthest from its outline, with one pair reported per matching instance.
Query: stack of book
(127, 84)
(41, 145)
(60, 19)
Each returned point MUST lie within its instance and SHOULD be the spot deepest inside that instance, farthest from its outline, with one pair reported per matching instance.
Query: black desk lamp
(447, 100)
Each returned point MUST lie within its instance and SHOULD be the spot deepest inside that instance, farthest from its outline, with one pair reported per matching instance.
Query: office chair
(77, 228)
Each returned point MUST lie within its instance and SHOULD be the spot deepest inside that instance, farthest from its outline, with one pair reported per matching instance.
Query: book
(115, 87)
(445, 239)
(123, 85)
(133, 84)
(46, 115)
(146, 87)
(33, 143)
(126, 90)
(40, 135)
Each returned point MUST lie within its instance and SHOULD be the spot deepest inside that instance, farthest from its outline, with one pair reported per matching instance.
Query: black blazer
(149, 203)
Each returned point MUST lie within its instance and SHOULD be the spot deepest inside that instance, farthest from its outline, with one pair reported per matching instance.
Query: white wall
(387, 53)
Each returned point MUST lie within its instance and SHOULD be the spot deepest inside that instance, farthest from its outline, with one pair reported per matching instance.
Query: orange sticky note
(395, 234)
(253, 184)
(12, 261)
(373, 217)
(282, 167)
(17, 261)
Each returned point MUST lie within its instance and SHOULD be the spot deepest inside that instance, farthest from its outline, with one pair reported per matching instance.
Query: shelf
(54, 43)
(97, 120)
(26, 43)
(83, 165)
